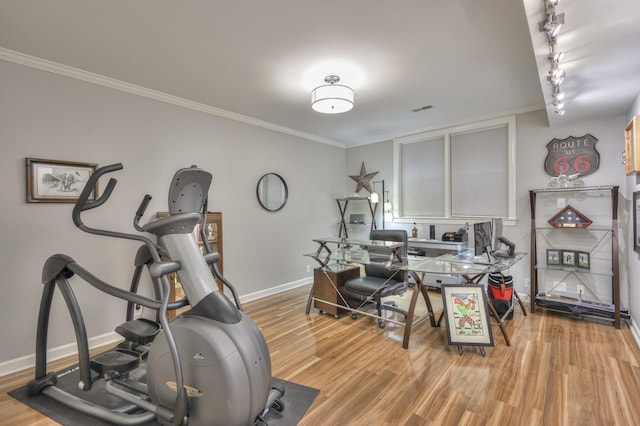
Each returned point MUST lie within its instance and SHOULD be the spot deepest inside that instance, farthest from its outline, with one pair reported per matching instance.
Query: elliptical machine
(210, 365)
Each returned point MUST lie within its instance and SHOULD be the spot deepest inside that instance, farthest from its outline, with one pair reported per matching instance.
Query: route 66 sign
(572, 155)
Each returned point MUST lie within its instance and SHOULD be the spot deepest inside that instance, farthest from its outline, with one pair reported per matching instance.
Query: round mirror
(272, 192)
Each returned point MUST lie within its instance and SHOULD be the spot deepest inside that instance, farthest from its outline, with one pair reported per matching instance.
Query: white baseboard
(635, 331)
(29, 361)
(275, 290)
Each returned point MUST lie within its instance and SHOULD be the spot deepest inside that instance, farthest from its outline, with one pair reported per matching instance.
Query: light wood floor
(558, 371)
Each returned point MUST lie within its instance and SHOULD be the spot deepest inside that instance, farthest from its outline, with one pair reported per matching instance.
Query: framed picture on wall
(636, 221)
(54, 181)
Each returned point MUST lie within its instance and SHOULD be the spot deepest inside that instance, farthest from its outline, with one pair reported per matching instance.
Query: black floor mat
(296, 400)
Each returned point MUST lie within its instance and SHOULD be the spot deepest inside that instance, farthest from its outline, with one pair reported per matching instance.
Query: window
(457, 173)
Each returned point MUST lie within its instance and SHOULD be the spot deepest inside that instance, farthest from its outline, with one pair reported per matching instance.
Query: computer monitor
(497, 240)
(488, 239)
(482, 237)
(496, 234)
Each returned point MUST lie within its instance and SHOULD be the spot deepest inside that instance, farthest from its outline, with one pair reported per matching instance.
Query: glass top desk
(470, 267)
(352, 250)
(356, 251)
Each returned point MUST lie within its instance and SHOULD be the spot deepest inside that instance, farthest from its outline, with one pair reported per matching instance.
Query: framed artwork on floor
(466, 313)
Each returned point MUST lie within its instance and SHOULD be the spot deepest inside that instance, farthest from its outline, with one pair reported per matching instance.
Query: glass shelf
(606, 188)
(587, 229)
(574, 270)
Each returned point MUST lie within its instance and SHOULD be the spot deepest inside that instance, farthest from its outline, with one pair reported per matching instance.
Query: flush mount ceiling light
(332, 98)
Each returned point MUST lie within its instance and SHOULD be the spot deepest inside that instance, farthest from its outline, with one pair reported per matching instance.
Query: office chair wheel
(381, 323)
(354, 315)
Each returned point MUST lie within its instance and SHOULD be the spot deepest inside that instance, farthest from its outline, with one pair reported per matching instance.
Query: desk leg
(524, 310)
(427, 301)
(409, 321)
(420, 289)
(306, 311)
(500, 323)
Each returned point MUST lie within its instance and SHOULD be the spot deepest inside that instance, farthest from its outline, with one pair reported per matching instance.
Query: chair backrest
(381, 254)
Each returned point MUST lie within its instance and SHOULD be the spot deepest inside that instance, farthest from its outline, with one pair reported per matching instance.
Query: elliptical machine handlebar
(82, 204)
(140, 212)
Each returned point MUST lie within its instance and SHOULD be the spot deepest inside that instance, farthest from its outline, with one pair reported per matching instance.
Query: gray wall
(48, 116)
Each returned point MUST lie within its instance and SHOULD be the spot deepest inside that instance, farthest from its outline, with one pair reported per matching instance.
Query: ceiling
(258, 61)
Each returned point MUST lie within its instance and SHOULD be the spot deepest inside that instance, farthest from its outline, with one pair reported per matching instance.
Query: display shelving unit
(343, 203)
(587, 286)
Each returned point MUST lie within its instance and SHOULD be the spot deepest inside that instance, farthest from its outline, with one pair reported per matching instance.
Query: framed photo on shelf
(466, 313)
(553, 257)
(53, 181)
(584, 260)
(568, 258)
(636, 221)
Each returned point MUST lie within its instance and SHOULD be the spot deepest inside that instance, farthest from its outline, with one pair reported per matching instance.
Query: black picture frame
(636, 221)
(568, 258)
(466, 313)
(55, 181)
(583, 260)
(553, 257)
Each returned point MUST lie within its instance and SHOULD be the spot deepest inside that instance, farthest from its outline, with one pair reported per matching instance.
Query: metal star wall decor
(363, 179)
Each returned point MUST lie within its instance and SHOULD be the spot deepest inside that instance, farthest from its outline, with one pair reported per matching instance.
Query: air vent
(422, 108)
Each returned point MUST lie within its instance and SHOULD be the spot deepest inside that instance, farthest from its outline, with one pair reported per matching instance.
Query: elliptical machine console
(210, 365)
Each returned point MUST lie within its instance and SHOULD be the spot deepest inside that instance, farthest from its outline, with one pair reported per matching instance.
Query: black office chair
(380, 281)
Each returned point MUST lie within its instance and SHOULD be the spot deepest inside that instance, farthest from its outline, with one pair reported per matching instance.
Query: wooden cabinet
(327, 282)
(632, 146)
(214, 238)
(574, 252)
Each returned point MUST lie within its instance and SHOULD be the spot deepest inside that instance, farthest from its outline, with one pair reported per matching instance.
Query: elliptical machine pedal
(139, 330)
(138, 334)
(116, 362)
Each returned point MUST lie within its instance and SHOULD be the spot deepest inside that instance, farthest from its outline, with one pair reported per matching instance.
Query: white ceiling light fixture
(332, 98)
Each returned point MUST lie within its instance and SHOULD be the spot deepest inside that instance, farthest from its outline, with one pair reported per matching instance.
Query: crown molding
(101, 80)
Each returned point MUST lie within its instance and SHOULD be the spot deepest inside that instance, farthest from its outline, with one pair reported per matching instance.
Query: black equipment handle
(82, 204)
(140, 212)
(143, 205)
